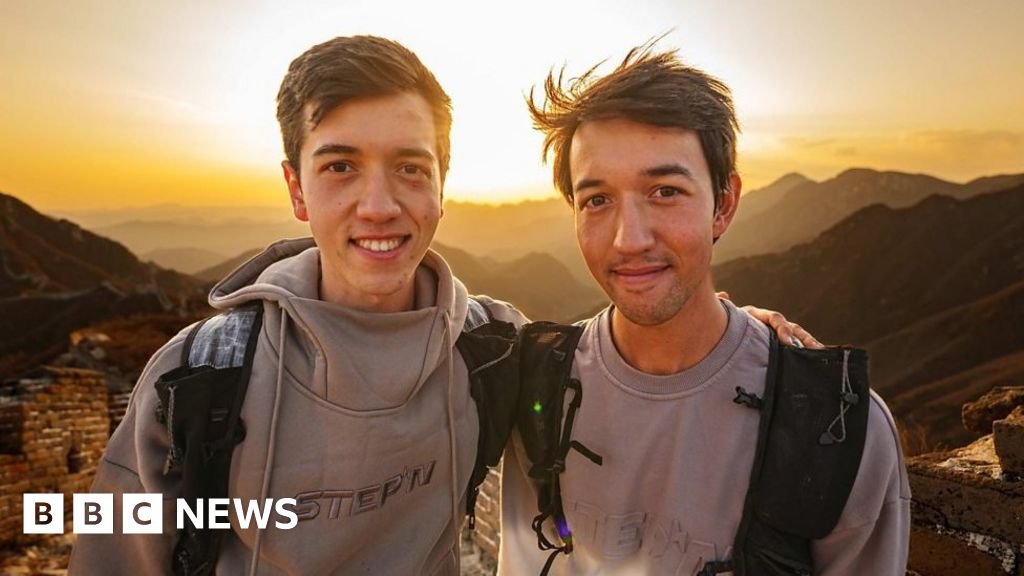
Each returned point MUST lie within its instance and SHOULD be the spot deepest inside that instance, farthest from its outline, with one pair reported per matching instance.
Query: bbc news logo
(143, 513)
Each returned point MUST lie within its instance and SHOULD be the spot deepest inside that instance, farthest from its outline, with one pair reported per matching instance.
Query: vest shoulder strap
(813, 425)
(810, 441)
(545, 422)
(487, 346)
(200, 403)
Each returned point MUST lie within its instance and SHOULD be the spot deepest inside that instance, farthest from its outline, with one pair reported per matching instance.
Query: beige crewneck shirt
(677, 459)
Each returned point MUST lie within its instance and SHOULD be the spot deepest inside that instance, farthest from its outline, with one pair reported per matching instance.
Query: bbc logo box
(92, 514)
(43, 513)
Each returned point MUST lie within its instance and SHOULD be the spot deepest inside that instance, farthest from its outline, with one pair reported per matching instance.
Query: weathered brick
(1008, 437)
(962, 491)
(979, 415)
(44, 418)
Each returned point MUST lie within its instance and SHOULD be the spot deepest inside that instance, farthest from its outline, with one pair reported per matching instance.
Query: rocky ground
(48, 557)
(475, 562)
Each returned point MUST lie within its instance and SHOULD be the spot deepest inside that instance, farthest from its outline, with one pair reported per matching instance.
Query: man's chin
(648, 308)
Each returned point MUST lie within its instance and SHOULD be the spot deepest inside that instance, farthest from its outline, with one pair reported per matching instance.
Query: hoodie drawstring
(452, 444)
(265, 486)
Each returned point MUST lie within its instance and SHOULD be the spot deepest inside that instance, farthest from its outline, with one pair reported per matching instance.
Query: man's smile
(380, 246)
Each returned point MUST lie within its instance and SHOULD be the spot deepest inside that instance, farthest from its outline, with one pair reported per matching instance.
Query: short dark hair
(647, 87)
(350, 67)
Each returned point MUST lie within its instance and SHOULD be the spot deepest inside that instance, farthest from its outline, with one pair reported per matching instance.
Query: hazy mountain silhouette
(809, 208)
(512, 231)
(56, 277)
(227, 237)
(41, 255)
(96, 219)
(218, 271)
(184, 260)
(538, 284)
(931, 290)
(927, 370)
(758, 201)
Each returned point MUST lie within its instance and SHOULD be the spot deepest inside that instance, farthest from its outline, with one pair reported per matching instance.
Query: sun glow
(109, 104)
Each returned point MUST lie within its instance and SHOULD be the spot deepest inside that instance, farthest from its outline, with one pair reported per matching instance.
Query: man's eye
(595, 201)
(339, 167)
(413, 170)
(667, 192)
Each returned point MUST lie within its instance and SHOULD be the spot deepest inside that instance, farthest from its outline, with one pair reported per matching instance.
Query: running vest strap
(810, 439)
(201, 403)
(546, 354)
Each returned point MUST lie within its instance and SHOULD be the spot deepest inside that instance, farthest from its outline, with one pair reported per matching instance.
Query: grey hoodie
(364, 418)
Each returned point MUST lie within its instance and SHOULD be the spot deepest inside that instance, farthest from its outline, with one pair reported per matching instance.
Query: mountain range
(794, 209)
(56, 277)
(933, 291)
(927, 275)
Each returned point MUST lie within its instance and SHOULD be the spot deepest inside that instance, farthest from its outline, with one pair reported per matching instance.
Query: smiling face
(369, 186)
(645, 215)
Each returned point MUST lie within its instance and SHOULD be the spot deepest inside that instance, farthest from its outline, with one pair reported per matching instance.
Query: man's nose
(377, 201)
(633, 232)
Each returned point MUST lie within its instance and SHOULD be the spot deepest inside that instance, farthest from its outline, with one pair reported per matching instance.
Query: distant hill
(538, 284)
(221, 269)
(758, 201)
(41, 255)
(881, 269)
(56, 277)
(511, 231)
(209, 215)
(807, 209)
(229, 237)
(929, 369)
(184, 260)
(932, 290)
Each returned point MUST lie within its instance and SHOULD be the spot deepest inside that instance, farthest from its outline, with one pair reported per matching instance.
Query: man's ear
(291, 177)
(728, 202)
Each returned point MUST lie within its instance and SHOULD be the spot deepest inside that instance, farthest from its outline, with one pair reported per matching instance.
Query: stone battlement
(54, 425)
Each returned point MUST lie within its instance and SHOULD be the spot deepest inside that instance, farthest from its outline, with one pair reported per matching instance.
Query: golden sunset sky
(107, 103)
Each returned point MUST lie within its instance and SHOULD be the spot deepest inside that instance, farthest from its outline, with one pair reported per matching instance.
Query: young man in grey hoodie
(358, 404)
(646, 157)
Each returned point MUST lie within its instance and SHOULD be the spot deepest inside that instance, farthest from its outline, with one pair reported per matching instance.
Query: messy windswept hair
(649, 87)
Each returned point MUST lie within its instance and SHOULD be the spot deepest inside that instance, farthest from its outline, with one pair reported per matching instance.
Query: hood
(328, 348)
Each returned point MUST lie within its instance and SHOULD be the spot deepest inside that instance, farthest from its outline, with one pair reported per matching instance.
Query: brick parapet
(56, 425)
(968, 515)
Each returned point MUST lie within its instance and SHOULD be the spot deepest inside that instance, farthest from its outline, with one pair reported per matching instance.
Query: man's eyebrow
(335, 149)
(653, 172)
(416, 153)
(588, 183)
(668, 170)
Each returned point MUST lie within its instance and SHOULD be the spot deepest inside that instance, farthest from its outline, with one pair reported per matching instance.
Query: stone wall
(116, 407)
(487, 534)
(968, 504)
(54, 427)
